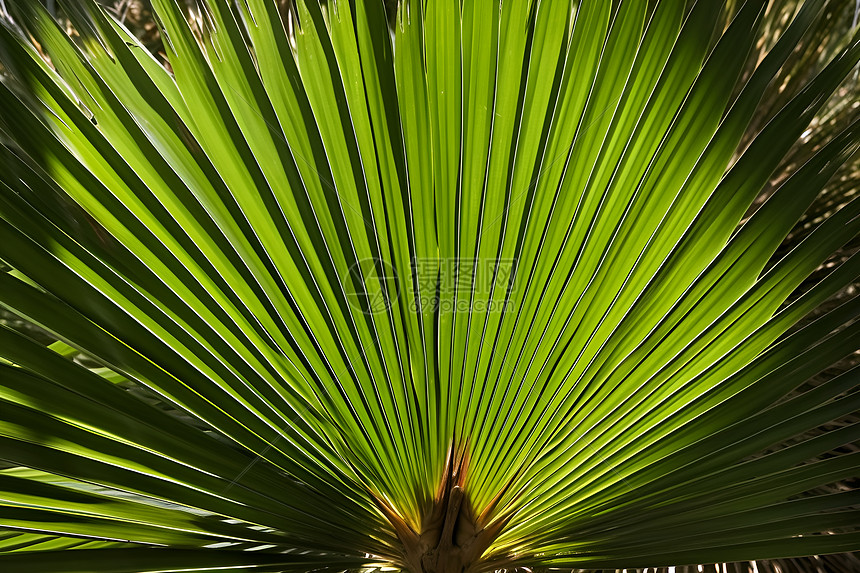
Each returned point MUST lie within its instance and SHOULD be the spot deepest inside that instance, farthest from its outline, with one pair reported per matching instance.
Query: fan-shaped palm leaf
(468, 294)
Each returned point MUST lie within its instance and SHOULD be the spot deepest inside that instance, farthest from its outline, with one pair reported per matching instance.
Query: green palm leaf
(478, 291)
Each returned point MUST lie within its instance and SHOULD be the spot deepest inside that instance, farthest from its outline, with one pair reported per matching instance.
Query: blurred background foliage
(831, 34)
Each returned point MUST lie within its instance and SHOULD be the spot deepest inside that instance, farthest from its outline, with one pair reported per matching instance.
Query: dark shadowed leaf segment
(466, 287)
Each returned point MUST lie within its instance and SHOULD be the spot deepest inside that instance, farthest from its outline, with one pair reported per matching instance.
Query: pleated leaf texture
(466, 287)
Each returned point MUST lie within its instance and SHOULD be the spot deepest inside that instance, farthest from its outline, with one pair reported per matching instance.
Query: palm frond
(505, 285)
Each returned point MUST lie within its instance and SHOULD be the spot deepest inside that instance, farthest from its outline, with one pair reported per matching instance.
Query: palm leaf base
(452, 537)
